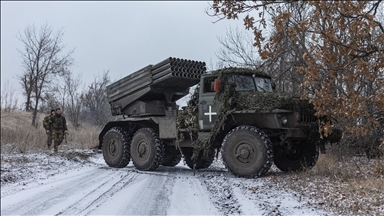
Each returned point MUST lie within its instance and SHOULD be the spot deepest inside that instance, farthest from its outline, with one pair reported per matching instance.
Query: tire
(201, 162)
(247, 152)
(146, 150)
(116, 147)
(302, 156)
(172, 156)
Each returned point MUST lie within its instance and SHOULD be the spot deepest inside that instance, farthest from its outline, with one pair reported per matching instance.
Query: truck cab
(209, 104)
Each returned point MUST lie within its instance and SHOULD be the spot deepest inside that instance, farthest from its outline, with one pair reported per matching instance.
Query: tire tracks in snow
(95, 197)
(221, 192)
(65, 193)
(220, 188)
(228, 194)
(254, 196)
(158, 199)
(147, 195)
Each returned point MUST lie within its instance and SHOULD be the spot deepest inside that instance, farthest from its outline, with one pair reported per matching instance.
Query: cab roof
(235, 70)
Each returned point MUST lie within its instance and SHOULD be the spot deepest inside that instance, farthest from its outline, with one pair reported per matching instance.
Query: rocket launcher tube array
(171, 75)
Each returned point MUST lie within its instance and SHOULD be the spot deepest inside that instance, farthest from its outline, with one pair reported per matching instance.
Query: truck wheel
(300, 157)
(146, 150)
(247, 152)
(172, 156)
(116, 144)
(201, 162)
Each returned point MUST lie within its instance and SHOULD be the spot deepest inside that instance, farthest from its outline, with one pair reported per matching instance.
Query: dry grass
(345, 185)
(19, 136)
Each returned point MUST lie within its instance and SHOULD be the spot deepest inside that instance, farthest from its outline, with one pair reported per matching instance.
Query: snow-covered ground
(78, 182)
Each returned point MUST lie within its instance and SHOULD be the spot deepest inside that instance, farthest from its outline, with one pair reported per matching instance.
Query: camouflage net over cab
(260, 102)
(231, 70)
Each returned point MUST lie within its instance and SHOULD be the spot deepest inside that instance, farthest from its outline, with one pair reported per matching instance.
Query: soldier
(58, 126)
(47, 129)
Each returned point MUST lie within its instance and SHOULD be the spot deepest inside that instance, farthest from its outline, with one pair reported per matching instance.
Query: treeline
(81, 104)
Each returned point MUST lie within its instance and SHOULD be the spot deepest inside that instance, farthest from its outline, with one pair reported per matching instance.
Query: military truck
(233, 111)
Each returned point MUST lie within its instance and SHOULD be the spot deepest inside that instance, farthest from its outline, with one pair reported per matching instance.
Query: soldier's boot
(55, 148)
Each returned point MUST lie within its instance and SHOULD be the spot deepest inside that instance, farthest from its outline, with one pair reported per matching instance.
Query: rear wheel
(146, 149)
(298, 157)
(201, 161)
(247, 152)
(116, 146)
(172, 156)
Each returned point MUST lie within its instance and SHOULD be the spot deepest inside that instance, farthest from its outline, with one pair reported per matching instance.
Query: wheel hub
(244, 153)
(142, 149)
(112, 147)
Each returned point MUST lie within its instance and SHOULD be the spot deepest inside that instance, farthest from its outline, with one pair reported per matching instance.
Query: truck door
(208, 110)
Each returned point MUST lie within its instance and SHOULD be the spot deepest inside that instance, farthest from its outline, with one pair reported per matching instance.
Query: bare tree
(97, 110)
(237, 50)
(26, 81)
(41, 61)
(73, 101)
(8, 100)
(49, 100)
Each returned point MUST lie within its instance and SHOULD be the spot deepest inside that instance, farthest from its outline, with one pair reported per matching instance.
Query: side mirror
(217, 85)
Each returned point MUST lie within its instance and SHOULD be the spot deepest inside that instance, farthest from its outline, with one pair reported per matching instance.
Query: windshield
(263, 84)
(243, 83)
(249, 83)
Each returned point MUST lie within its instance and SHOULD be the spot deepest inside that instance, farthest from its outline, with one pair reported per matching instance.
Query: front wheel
(172, 156)
(297, 157)
(247, 152)
(146, 150)
(201, 161)
(116, 147)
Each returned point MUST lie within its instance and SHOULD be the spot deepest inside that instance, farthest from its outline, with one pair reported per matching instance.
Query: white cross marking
(210, 113)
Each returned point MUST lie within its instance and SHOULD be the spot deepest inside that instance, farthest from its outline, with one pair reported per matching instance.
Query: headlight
(284, 120)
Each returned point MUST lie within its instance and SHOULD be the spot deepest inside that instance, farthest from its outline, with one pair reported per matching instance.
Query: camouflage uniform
(58, 125)
(46, 123)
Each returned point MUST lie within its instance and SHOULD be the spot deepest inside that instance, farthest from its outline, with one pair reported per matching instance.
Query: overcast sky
(121, 37)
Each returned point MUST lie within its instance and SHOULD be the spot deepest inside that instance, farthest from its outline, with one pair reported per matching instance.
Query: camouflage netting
(226, 71)
(232, 101)
(187, 118)
(270, 100)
